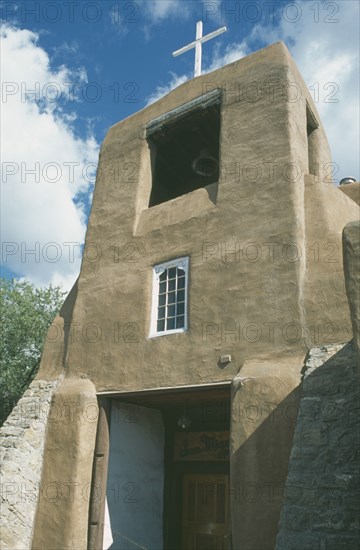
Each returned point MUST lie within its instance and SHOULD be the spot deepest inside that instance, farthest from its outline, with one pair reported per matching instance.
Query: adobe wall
(246, 290)
(63, 505)
(327, 211)
(322, 211)
(352, 190)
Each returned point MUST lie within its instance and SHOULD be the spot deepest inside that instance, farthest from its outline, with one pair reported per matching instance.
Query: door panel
(205, 512)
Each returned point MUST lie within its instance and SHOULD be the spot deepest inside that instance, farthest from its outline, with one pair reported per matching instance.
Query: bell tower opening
(311, 127)
(185, 152)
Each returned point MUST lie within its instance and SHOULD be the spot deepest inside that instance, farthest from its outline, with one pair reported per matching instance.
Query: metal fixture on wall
(350, 179)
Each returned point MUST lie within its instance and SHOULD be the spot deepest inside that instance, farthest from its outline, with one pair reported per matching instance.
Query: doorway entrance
(169, 466)
(205, 512)
(197, 468)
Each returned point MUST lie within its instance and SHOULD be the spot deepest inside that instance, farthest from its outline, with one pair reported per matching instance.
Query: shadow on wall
(259, 469)
(321, 502)
(66, 313)
(54, 355)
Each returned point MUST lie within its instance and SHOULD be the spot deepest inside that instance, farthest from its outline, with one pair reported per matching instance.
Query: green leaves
(26, 314)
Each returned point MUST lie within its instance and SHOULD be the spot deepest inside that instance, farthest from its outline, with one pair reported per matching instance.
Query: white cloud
(152, 12)
(38, 209)
(156, 12)
(164, 89)
(232, 53)
(163, 9)
(159, 10)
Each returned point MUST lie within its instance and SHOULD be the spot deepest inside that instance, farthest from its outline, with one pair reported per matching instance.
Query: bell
(184, 421)
(205, 165)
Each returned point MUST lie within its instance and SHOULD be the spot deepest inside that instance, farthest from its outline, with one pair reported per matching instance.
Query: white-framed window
(170, 297)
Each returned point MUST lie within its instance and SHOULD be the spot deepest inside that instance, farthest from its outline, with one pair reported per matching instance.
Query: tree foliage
(26, 314)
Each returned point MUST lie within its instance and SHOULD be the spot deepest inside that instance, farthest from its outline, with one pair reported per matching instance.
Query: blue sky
(72, 69)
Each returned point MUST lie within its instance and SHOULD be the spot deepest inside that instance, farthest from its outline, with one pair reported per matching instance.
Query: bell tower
(211, 265)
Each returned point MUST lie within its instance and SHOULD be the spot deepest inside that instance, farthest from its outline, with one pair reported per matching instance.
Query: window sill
(177, 210)
(168, 332)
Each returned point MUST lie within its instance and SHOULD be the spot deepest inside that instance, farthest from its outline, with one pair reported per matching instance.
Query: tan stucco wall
(259, 292)
(320, 212)
(63, 507)
(265, 399)
(352, 190)
(327, 211)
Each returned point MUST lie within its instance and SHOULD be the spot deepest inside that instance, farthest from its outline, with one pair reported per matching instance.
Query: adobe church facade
(212, 264)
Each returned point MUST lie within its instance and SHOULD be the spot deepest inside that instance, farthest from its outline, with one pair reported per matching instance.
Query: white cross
(197, 44)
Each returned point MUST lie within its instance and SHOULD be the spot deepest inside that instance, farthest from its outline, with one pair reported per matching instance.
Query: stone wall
(321, 507)
(22, 439)
(351, 253)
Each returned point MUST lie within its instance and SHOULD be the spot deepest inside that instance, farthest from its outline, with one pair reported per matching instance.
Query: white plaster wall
(135, 479)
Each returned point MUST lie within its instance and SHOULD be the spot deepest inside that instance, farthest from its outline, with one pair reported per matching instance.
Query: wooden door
(205, 512)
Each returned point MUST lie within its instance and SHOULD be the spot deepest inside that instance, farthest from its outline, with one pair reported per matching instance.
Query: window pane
(171, 311)
(162, 288)
(172, 272)
(181, 296)
(161, 312)
(180, 321)
(163, 276)
(181, 308)
(181, 282)
(171, 298)
(170, 324)
(172, 284)
(162, 299)
(161, 325)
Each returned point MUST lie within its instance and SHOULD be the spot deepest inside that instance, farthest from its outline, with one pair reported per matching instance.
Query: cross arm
(185, 48)
(213, 34)
(203, 39)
